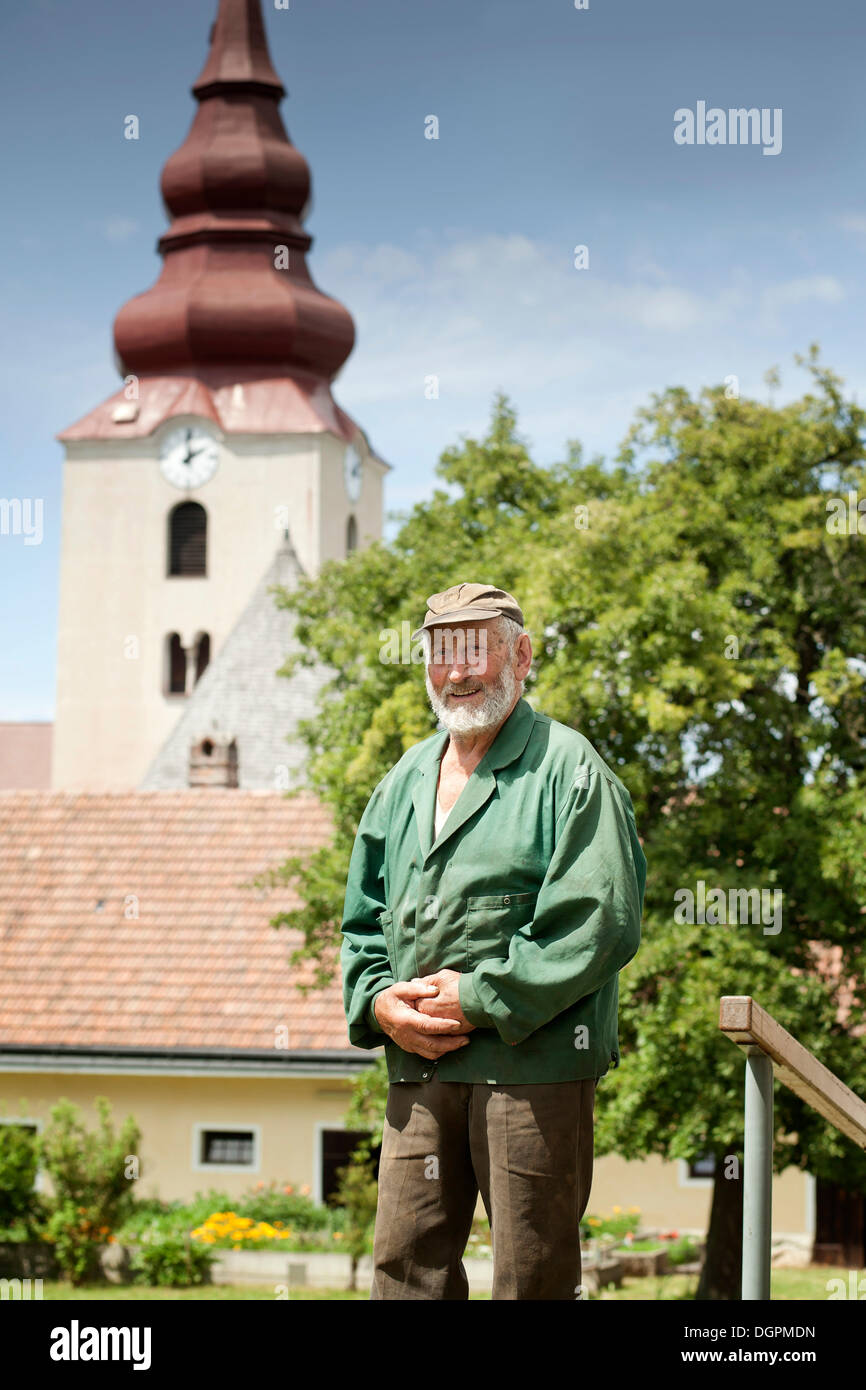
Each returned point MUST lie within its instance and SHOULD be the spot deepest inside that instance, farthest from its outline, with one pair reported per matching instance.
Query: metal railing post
(757, 1176)
(769, 1050)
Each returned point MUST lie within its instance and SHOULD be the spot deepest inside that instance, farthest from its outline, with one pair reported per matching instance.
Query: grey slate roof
(240, 696)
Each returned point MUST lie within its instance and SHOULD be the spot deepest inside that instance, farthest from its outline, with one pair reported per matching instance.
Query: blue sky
(454, 256)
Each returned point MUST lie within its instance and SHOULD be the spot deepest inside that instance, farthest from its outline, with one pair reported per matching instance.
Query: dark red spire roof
(224, 333)
(237, 189)
(239, 53)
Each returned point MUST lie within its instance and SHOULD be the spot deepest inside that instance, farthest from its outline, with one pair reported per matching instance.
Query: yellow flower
(305, 1190)
(338, 1235)
(617, 1210)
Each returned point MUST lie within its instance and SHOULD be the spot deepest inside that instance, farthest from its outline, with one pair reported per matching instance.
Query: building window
(187, 539)
(337, 1146)
(351, 535)
(226, 1146)
(202, 654)
(704, 1166)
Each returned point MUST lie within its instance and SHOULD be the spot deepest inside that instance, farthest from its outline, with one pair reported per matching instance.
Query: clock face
(188, 456)
(352, 473)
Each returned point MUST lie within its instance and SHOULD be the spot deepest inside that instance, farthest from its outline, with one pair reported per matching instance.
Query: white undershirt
(439, 818)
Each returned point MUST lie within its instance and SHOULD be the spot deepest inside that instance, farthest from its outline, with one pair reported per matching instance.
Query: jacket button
(425, 1075)
(506, 901)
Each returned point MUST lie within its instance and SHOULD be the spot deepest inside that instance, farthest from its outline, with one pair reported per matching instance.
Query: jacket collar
(505, 748)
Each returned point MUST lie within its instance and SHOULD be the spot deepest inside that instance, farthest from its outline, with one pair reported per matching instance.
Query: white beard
(487, 712)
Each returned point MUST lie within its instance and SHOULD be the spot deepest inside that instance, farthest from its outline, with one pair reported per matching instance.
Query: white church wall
(117, 602)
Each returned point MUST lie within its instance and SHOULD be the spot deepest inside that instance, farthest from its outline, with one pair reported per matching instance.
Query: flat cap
(463, 602)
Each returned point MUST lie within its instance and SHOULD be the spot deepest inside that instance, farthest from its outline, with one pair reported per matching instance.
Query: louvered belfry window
(187, 539)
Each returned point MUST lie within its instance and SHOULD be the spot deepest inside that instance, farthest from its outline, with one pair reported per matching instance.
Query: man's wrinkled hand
(446, 1001)
(398, 1015)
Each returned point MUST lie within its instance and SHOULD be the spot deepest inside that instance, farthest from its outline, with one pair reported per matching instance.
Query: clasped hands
(424, 1015)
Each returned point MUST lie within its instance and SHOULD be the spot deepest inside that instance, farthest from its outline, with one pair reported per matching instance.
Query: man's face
(472, 680)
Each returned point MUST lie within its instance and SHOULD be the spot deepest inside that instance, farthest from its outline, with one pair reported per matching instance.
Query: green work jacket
(533, 891)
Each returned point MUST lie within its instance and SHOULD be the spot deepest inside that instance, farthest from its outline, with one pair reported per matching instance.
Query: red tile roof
(128, 920)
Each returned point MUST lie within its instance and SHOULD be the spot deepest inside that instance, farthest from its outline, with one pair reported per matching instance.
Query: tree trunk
(722, 1272)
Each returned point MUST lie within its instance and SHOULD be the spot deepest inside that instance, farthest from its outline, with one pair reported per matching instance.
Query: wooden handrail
(754, 1030)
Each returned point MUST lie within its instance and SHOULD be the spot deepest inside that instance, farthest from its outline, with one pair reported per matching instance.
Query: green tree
(695, 618)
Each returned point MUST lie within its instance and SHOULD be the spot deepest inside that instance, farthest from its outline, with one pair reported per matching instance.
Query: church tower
(223, 447)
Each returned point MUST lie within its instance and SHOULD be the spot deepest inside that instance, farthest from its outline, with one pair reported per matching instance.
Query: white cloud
(577, 351)
(825, 289)
(118, 228)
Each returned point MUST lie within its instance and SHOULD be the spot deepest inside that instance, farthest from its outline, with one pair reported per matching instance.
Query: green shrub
(683, 1251)
(170, 1218)
(357, 1195)
(91, 1176)
(280, 1203)
(170, 1260)
(617, 1225)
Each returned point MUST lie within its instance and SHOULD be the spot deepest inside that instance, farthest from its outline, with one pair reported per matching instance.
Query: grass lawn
(786, 1285)
(136, 1293)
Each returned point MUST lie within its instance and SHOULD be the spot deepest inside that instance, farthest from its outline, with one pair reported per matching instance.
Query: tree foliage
(694, 617)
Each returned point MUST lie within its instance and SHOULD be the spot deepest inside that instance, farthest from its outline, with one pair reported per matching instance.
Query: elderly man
(495, 891)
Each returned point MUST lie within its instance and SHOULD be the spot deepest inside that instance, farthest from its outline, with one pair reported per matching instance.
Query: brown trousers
(527, 1149)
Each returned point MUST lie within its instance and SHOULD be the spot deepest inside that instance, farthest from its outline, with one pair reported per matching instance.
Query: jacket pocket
(492, 920)
(386, 925)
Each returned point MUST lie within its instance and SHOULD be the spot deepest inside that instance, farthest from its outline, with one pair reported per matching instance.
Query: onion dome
(235, 300)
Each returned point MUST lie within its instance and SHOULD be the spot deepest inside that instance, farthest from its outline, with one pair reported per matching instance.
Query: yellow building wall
(167, 1109)
(655, 1186)
(290, 1112)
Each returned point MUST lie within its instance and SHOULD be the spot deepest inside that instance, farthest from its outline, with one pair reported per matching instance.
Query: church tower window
(351, 535)
(176, 665)
(202, 654)
(187, 539)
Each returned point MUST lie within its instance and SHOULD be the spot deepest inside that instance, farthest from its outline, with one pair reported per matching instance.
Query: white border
(685, 1180)
(811, 1206)
(253, 1070)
